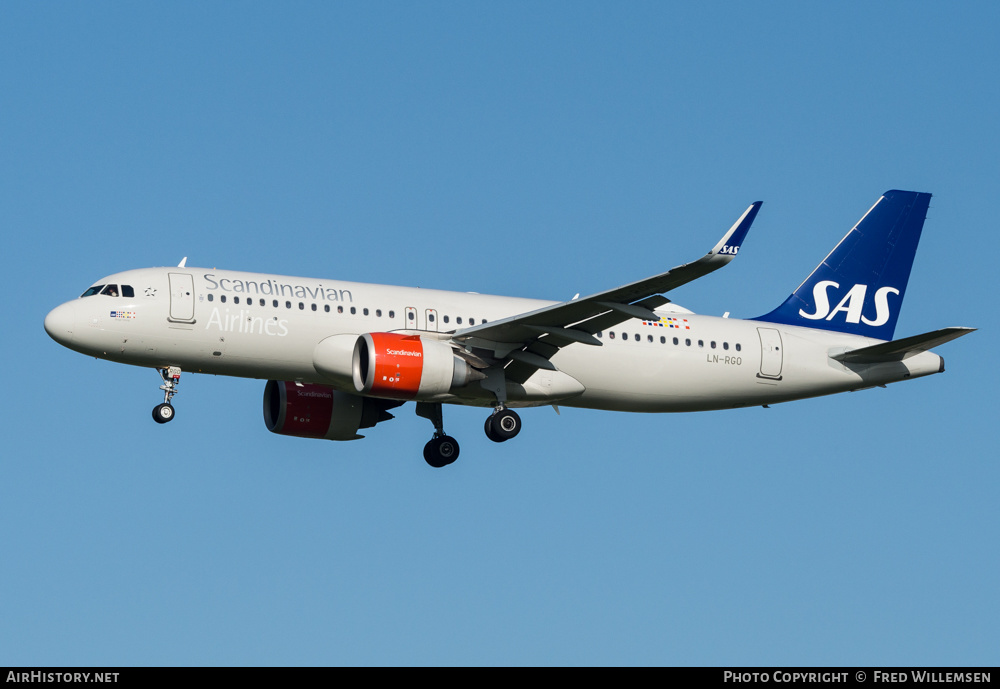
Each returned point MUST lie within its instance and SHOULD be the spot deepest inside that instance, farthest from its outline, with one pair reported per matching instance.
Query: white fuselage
(267, 327)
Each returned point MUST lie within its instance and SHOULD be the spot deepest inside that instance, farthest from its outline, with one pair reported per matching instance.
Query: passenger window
(459, 320)
(725, 345)
(127, 291)
(409, 315)
(430, 317)
(313, 307)
(638, 337)
(288, 304)
(472, 321)
(378, 313)
(301, 306)
(364, 311)
(624, 336)
(340, 309)
(211, 297)
(738, 348)
(611, 334)
(222, 298)
(687, 341)
(392, 314)
(649, 338)
(676, 341)
(326, 307)
(701, 343)
(445, 319)
(263, 303)
(236, 300)
(274, 303)
(663, 340)
(713, 344)
(354, 311)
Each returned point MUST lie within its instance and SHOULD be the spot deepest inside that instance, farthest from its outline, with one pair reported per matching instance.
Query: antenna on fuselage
(183, 261)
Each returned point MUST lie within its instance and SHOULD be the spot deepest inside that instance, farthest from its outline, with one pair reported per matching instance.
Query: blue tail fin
(859, 287)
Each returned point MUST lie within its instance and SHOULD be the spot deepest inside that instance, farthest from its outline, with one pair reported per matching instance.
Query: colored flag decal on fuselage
(128, 315)
(678, 323)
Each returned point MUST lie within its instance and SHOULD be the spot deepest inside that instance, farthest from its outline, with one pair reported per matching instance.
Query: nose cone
(60, 322)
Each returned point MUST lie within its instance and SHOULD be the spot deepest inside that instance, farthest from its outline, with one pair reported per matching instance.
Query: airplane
(338, 356)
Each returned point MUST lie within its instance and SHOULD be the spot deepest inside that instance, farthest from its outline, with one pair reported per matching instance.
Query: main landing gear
(442, 449)
(162, 413)
(502, 425)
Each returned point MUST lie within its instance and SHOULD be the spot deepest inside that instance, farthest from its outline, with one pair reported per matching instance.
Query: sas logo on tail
(851, 304)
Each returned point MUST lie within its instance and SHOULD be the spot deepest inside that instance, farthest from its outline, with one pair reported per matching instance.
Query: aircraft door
(770, 353)
(181, 297)
(431, 318)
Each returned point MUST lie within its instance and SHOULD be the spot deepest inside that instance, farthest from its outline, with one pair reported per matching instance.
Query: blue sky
(530, 149)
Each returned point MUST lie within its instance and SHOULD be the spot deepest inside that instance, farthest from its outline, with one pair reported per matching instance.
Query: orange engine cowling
(407, 367)
(318, 411)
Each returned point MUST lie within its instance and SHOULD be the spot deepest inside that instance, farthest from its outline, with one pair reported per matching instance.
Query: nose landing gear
(162, 413)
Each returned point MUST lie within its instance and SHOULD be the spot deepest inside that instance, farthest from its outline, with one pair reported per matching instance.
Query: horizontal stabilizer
(897, 350)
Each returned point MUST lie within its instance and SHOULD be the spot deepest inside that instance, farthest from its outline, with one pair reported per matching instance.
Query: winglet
(730, 244)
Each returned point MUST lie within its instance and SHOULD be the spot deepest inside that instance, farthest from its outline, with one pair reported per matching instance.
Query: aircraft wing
(530, 339)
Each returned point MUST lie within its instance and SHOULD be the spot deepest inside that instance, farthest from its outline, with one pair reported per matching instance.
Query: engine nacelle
(319, 411)
(407, 367)
(391, 365)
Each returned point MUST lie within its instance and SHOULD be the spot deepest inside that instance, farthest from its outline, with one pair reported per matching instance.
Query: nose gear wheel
(163, 413)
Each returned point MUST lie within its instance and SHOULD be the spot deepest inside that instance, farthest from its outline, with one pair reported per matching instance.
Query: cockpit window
(96, 289)
(127, 291)
(110, 291)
